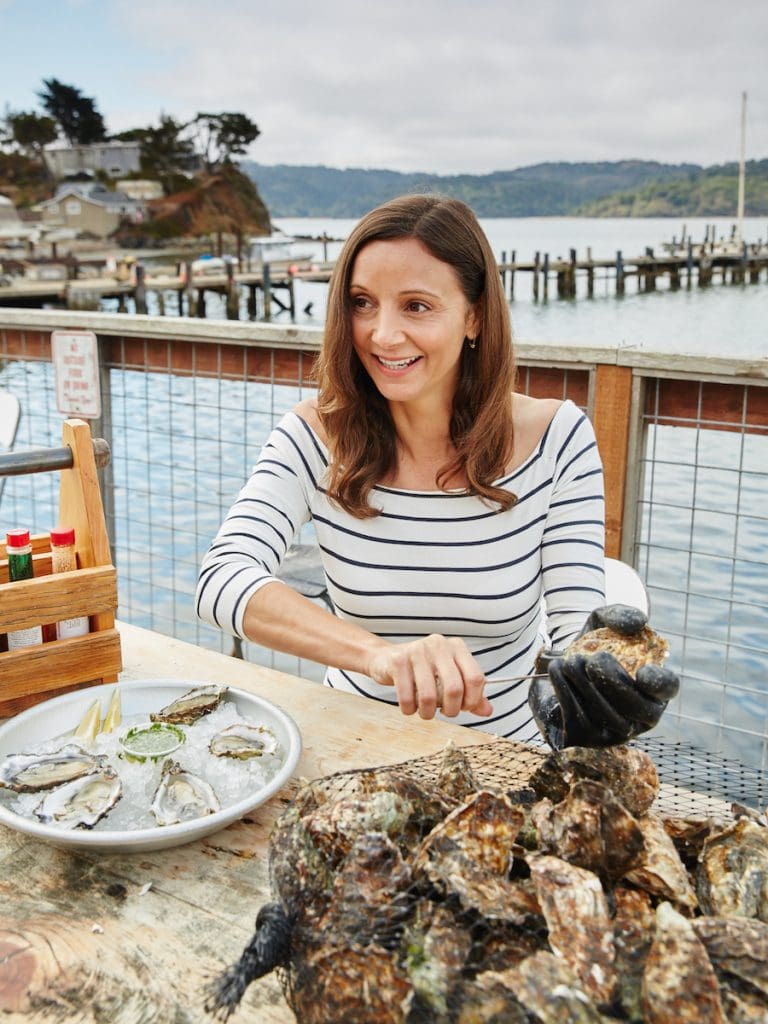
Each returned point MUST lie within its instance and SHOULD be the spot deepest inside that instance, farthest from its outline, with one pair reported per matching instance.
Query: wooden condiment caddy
(33, 674)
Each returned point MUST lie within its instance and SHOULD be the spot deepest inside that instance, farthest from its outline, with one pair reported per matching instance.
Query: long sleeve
(256, 533)
(572, 549)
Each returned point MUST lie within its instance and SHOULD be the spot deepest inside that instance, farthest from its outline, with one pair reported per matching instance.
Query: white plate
(59, 715)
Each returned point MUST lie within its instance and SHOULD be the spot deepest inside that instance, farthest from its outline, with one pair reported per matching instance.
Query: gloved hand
(591, 700)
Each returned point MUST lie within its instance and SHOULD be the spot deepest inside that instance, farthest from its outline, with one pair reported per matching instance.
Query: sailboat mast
(740, 206)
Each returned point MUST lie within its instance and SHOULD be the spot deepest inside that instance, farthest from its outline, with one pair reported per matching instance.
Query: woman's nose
(387, 328)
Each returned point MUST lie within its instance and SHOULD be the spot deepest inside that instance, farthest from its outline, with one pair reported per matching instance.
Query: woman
(445, 504)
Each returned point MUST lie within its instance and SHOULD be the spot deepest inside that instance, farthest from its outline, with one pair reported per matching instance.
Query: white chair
(623, 585)
(10, 414)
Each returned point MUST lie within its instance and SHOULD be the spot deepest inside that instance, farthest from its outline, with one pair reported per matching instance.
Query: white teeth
(396, 364)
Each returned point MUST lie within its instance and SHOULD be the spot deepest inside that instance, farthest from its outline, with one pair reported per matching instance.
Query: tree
(31, 132)
(76, 115)
(222, 136)
(164, 151)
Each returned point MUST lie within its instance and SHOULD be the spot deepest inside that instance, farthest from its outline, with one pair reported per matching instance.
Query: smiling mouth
(397, 364)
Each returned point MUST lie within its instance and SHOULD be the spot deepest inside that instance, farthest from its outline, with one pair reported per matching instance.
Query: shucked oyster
(182, 796)
(243, 741)
(28, 773)
(81, 802)
(191, 706)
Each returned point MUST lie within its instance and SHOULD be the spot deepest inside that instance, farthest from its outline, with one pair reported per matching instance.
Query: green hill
(541, 190)
(710, 192)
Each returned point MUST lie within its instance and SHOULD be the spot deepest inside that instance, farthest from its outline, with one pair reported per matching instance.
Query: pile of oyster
(78, 787)
(403, 900)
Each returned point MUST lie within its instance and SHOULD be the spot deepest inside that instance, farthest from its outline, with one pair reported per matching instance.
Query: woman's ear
(473, 324)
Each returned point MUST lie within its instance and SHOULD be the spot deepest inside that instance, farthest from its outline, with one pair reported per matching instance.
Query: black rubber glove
(590, 700)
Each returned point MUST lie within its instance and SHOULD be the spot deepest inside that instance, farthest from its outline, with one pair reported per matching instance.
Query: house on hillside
(115, 159)
(140, 188)
(90, 207)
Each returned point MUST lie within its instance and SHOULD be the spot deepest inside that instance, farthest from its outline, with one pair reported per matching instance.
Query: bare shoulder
(531, 417)
(307, 410)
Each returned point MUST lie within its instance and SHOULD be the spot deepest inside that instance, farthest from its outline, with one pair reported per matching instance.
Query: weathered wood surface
(91, 938)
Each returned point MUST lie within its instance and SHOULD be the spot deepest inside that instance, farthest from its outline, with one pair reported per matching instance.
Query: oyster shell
(738, 948)
(660, 870)
(679, 982)
(591, 829)
(30, 773)
(243, 740)
(369, 900)
(182, 796)
(81, 802)
(634, 923)
(644, 648)
(191, 705)
(549, 990)
(437, 954)
(732, 877)
(351, 983)
(580, 932)
(628, 771)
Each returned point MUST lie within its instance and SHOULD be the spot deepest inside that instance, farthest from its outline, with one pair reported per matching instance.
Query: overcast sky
(413, 85)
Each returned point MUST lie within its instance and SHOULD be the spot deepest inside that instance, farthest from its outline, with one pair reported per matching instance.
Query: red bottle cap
(63, 535)
(17, 538)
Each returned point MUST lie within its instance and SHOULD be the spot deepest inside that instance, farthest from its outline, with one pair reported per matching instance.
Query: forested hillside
(627, 188)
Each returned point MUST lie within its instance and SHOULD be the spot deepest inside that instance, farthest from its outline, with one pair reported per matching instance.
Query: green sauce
(151, 741)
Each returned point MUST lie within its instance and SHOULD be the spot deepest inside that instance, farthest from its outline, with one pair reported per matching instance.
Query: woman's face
(409, 320)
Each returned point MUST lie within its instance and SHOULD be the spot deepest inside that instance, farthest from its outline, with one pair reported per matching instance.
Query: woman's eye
(359, 302)
(416, 306)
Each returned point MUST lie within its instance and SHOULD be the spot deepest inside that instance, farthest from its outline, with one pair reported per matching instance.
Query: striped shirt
(431, 561)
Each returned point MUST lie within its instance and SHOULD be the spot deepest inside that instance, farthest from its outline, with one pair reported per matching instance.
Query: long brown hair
(357, 420)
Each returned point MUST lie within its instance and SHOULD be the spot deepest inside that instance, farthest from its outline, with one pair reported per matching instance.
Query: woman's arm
(573, 544)
(238, 591)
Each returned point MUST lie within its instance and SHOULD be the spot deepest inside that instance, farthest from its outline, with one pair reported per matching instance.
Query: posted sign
(76, 370)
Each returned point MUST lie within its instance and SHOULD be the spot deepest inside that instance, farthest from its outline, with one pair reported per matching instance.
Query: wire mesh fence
(186, 421)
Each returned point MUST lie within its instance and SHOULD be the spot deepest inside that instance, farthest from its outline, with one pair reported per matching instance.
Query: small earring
(472, 342)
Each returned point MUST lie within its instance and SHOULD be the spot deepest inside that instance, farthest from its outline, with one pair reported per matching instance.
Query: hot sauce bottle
(64, 559)
(19, 551)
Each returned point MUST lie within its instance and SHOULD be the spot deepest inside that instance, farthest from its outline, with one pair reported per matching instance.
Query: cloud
(450, 86)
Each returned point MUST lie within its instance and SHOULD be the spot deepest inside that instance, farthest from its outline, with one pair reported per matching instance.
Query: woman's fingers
(436, 673)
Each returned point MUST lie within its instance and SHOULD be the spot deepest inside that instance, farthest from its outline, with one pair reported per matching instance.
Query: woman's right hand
(430, 673)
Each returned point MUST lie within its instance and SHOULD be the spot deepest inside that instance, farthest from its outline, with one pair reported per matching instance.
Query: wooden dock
(269, 287)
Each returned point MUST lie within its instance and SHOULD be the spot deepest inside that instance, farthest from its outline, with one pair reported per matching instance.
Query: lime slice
(151, 741)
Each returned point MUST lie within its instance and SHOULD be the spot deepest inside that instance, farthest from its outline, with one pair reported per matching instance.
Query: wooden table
(90, 937)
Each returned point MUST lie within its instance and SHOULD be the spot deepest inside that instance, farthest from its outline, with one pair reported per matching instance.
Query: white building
(114, 158)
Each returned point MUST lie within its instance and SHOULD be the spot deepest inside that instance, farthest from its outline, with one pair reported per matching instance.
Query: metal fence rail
(187, 406)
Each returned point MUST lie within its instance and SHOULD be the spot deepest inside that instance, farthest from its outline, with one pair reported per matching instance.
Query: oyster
(732, 877)
(182, 796)
(334, 827)
(580, 933)
(191, 706)
(628, 771)
(81, 802)
(644, 648)
(634, 922)
(549, 990)
(455, 777)
(591, 829)
(351, 984)
(679, 982)
(437, 953)
(29, 773)
(738, 948)
(369, 900)
(243, 740)
(660, 870)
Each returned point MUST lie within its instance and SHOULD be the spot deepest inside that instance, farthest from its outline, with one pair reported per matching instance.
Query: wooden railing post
(611, 420)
